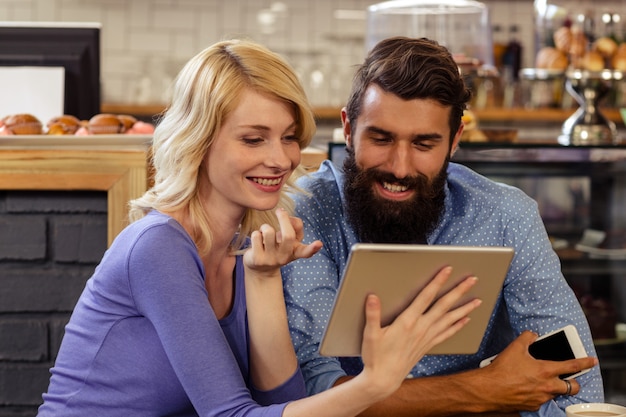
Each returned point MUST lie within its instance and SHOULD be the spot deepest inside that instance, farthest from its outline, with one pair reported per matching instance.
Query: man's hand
(520, 382)
(513, 382)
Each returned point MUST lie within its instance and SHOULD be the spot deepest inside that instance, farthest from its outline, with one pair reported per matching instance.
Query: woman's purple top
(144, 341)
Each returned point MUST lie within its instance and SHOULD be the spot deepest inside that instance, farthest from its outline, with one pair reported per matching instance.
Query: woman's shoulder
(155, 229)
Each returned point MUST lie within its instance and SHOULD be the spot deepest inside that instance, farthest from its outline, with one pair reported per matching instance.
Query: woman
(143, 340)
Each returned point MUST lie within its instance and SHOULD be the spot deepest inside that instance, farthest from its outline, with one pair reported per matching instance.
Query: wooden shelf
(149, 110)
(488, 115)
(133, 109)
(543, 115)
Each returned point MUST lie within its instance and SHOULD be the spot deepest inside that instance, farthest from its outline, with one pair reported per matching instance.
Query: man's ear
(347, 128)
(456, 140)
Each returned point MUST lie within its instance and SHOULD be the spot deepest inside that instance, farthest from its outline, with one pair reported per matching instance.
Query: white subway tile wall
(145, 42)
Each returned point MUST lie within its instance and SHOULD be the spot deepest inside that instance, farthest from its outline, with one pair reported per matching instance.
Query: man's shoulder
(472, 186)
(327, 173)
(323, 184)
(467, 178)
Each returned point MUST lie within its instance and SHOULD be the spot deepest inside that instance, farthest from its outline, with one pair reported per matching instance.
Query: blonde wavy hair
(206, 92)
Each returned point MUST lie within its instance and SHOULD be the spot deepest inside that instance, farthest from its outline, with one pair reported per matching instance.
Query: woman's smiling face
(254, 153)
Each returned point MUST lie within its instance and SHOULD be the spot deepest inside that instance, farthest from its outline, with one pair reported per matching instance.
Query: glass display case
(463, 26)
(581, 194)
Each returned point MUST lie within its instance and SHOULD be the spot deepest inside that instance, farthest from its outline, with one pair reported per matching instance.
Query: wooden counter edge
(121, 174)
(332, 114)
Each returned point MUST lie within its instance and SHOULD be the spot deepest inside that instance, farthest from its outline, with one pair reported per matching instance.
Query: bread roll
(127, 121)
(23, 124)
(618, 62)
(104, 124)
(579, 43)
(592, 61)
(605, 46)
(551, 58)
(63, 125)
(621, 48)
(563, 39)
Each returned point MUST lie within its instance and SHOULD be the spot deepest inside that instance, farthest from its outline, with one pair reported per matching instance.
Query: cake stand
(588, 126)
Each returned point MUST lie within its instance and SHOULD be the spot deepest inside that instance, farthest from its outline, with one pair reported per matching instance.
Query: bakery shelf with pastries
(68, 125)
(64, 133)
(573, 49)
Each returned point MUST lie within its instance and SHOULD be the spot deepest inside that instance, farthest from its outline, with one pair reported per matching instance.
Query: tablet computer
(396, 273)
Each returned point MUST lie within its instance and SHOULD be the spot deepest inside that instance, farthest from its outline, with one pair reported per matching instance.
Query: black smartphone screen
(553, 348)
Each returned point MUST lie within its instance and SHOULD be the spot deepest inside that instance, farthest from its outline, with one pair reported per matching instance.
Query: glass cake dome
(463, 26)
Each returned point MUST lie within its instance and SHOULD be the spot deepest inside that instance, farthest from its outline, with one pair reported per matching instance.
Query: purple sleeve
(166, 281)
(290, 390)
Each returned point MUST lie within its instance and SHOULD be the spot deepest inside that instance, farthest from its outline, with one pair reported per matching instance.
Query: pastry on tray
(68, 125)
(21, 124)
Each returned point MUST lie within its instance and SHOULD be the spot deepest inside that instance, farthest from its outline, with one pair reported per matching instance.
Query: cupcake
(63, 125)
(127, 121)
(105, 124)
(23, 124)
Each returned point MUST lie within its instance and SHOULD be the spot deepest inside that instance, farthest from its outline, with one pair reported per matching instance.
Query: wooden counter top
(122, 174)
(117, 164)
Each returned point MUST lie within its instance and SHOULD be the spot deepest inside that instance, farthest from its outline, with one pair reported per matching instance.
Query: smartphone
(559, 345)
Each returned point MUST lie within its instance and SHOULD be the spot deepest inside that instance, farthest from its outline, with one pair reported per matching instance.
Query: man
(402, 123)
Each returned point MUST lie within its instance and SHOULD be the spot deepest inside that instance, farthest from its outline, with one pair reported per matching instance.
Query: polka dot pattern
(478, 212)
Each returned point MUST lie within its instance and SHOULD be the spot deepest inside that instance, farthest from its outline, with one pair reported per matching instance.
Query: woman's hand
(389, 353)
(267, 316)
(270, 249)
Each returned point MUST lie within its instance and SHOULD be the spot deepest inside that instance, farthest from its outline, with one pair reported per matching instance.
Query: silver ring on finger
(569, 387)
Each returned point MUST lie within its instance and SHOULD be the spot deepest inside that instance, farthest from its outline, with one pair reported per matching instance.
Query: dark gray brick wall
(29, 340)
(22, 237)
(50, 243)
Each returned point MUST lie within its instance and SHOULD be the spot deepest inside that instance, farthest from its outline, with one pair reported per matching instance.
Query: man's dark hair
(411, 68)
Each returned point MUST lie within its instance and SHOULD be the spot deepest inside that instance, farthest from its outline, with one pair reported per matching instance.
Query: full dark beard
(378, 220)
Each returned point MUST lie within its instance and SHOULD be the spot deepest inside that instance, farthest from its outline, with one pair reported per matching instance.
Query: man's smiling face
(396, 168)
